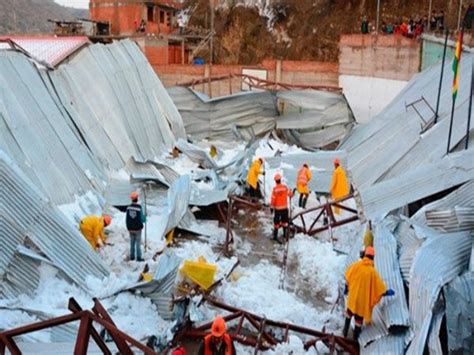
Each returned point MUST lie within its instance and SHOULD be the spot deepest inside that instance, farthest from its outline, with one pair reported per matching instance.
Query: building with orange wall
(151, 23)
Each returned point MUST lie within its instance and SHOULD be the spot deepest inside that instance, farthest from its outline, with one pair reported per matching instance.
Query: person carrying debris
(218, 342)
(339, 186)
(92, 228)
(279, 206)
(252, 178)
(304, 175)
(365, 288)
(135, 219)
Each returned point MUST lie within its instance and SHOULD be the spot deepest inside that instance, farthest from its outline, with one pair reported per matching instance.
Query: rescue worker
(279, 205)
(339, 186)
(135, 219)
(252, 178)
(365, 288)
(92, 228)
(304, 175)
(218, 342)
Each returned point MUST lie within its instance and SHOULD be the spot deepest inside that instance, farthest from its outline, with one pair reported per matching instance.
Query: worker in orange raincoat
(365, 288)
(339, 186)
(279, 205)
(218, 342)
(92, 228)
(304, 175)
(252, 178)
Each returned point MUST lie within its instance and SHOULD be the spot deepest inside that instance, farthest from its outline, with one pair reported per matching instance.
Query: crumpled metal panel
(160, 288)
(217, 118)
(440, 259)
(419, 182)
(313, 119)
(452, 220)
(34, 216)
(463, 196)
(196, 154)
(459, 295)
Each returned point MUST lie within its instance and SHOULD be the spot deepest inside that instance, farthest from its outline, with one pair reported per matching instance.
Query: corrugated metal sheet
(31, 214)
(463, 196)
(416, 183)
(391, 344)
(452, 220)
(394, 142)
(313, 119)
(49, 49)
(437, 262)
(459, 295)
(118, 103)
(29, 117)
(217, 118)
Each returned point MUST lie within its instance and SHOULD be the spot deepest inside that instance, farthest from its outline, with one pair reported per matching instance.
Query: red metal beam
(346, 345)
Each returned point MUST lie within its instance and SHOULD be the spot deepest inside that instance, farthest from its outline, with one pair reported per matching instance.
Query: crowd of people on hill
(411, 27)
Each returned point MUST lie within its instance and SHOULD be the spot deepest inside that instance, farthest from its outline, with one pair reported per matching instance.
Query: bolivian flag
(457, 63)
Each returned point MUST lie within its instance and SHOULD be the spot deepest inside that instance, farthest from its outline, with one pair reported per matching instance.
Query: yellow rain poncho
(254, 172)
(92, 228)
(339, 186)
(304, 175)
(366, 288)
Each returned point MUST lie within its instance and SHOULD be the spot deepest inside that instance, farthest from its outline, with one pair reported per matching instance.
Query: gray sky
(82, 4)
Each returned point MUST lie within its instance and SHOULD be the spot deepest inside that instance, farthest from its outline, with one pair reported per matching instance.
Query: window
(162, 16)
(150, 14)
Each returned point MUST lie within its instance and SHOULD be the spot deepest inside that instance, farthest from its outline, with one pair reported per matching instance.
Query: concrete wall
(368, 95)
(290, 72)
(373, 69)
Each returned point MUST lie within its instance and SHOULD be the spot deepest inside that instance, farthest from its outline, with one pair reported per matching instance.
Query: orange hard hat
(107, 219)
(369, 251)
(277, 177)
(337, 161)
(218, 327)
(134, 195)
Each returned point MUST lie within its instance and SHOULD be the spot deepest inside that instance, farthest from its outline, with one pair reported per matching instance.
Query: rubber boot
(357, 331)
(305, 199)
(347, 324)
(300, 201)
(275, 234)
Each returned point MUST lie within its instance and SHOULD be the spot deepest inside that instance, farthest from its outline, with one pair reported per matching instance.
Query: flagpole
(441, 77)
(470, 106)
(451, 125)
(457, 58)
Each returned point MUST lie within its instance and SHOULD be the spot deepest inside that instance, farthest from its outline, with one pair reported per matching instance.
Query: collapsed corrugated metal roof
(313, 119)
(248, 113)
(30, 218)
(398, 139)
(438, 261)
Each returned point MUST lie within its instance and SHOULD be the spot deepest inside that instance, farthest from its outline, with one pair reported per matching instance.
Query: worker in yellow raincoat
(304, 175)
(339, 186)
(252, 178)
(365, 288)
(92, 228)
